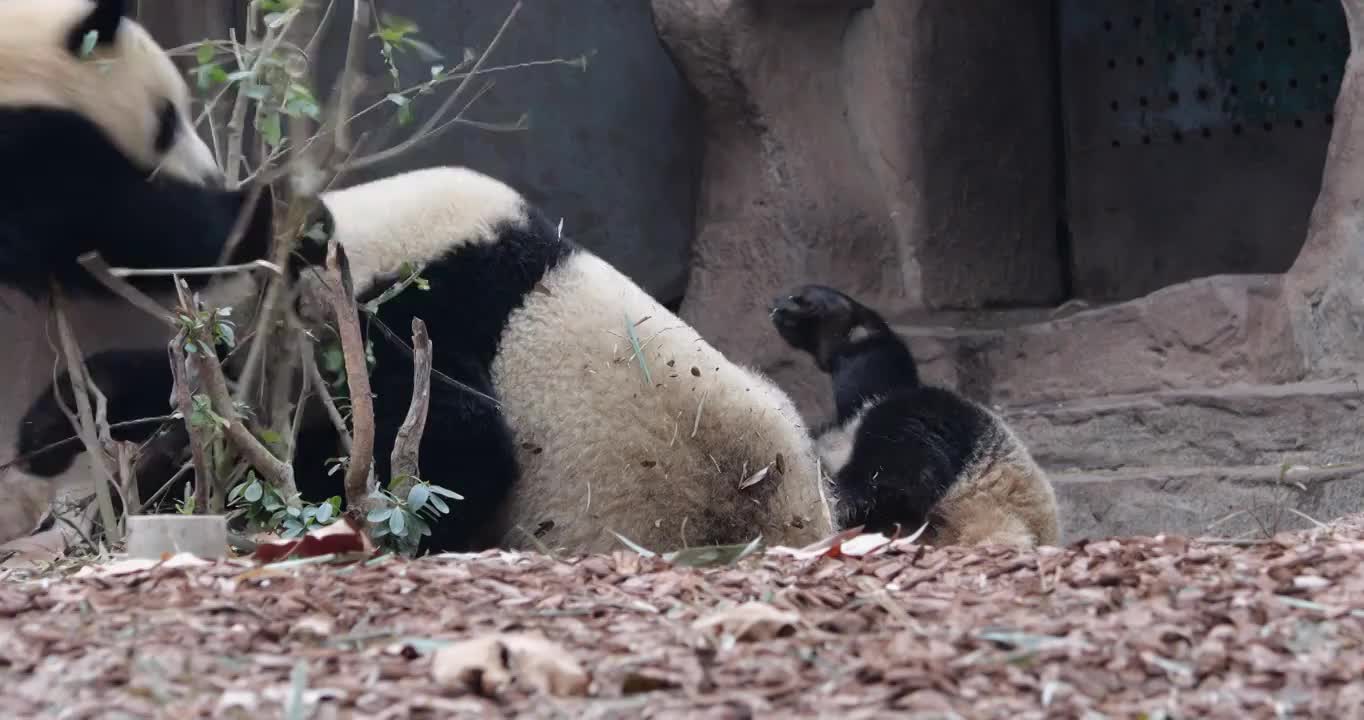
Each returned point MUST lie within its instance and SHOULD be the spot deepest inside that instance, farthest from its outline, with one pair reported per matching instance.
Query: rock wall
(844, 144)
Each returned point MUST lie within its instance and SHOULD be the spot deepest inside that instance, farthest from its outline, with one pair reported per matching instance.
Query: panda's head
(86, 58)
(821, 320)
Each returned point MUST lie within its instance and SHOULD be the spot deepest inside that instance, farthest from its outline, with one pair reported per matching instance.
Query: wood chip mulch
(1138, 627)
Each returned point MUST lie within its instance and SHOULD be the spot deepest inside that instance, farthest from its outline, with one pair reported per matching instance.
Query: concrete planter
(151, 536)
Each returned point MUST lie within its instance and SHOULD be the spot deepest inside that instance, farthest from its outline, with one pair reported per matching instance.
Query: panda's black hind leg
(466, 447)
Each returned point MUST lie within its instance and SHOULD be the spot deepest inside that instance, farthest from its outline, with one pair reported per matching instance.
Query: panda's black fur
(903, 454)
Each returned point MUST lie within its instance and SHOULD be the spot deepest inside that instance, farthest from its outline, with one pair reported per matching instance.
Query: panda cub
(904, 454)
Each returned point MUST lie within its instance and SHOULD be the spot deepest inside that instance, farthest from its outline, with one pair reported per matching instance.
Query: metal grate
(1239, 89)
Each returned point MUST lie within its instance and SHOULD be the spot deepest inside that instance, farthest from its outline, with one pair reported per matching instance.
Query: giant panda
(903, 454)
(541, 415)
(99, 153)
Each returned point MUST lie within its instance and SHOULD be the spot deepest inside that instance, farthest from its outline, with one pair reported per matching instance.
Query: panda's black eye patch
(167, 125)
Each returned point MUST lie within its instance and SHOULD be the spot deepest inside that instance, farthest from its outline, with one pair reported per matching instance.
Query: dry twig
(403, 464)
(342, 296)
(85, 417)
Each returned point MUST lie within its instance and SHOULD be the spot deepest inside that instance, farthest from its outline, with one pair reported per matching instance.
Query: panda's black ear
(103, 20)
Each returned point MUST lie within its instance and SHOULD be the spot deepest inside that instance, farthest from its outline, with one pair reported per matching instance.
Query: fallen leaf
(317, 626)
(756, 477)
(828, 547)
(487, 664)
(750, 621)
(346, 535)
(128, 566)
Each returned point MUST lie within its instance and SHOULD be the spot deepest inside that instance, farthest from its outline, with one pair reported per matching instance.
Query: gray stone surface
(1314, 423)
(1219, 502)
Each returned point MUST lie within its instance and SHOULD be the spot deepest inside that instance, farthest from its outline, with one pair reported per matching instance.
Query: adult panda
(541, 414)
(546, 410)
(99, 154)
(905, 454)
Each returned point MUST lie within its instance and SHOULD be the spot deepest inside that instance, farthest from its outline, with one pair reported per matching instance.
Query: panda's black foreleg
(466, 447)
(137, 384)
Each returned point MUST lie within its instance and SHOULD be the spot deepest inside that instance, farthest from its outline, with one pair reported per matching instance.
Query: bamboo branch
(437, 118)
(342, 296)
(185, 403)
(404, 465)
(210, 371)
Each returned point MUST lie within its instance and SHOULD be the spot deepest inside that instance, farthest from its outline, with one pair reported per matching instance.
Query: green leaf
(270, 129)
(293, 511)
(423, 49)
(254, 491)
(416, 497)
(405, 115)
(438, 504)
(204, 53)
(191, 348)
(88, 43)
(439, 490)
(379, 515)
(270, 437)
(399, 99)
(324, 513)
(397, 523)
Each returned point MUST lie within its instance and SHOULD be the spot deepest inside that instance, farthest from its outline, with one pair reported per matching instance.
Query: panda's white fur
(119, 86)
(598, 448)
(903, 454)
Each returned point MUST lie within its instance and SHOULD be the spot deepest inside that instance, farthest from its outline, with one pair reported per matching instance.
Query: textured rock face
(821, 122)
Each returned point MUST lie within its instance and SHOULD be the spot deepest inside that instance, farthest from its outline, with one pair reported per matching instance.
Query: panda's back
(657, 449)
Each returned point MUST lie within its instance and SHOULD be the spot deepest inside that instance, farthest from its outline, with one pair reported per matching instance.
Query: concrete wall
(613, 150)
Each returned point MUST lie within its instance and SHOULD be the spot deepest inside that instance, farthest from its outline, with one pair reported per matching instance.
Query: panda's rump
(654, 450)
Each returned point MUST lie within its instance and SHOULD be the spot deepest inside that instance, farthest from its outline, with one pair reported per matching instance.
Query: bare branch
(78, 374)
(437, 119)
(350, 81)
(342, 295)
(95, 265)
(310, 50)
(320, 384)
(404, 465)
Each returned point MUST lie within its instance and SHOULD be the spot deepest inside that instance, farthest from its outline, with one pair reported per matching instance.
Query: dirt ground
(1141, 627)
